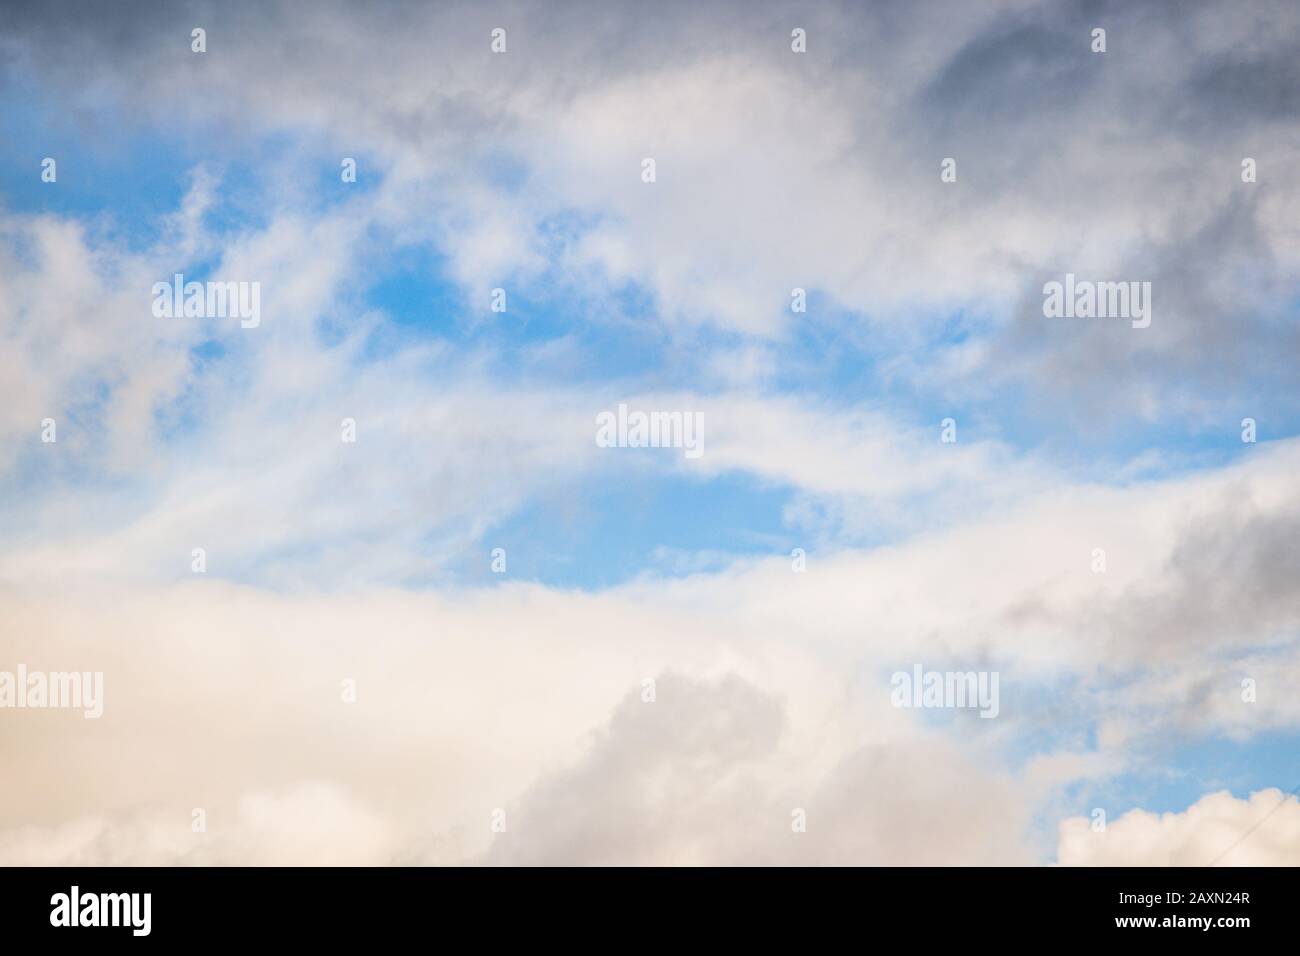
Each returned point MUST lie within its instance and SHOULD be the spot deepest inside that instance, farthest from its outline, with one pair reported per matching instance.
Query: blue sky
(821, 428)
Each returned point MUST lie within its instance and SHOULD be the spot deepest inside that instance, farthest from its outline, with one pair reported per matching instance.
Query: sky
(462, 630)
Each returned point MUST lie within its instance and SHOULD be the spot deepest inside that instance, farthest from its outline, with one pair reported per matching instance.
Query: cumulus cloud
(1263, 830)
(698, 776)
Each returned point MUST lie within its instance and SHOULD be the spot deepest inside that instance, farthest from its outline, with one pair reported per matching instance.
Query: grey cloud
(1220, 343)
(1236, 90)
(658, 783)
(699, 777)
(1120, 166)
(1230, 582)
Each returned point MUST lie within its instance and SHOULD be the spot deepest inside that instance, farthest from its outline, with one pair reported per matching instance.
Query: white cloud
(1263, 830)
(818, 171)
(475, 699)
(310, 824)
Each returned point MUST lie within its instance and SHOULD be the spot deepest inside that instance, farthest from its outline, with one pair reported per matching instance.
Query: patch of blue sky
(1171, 778)
(600, 533)
(504, 170)
(550, 327)
(838, 355)
(181, 417)
(1166, 774)
(126, 182)
(126, 177)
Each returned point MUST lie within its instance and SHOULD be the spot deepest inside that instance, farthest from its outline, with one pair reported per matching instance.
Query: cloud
(659, 783)
(817, 170)
(1263, 830)
(310, 824)
(180, 433)
(699, 777)
(527, 698)
(330, 561)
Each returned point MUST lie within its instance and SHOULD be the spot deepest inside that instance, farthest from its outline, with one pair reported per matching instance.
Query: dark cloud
(1122, 166)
